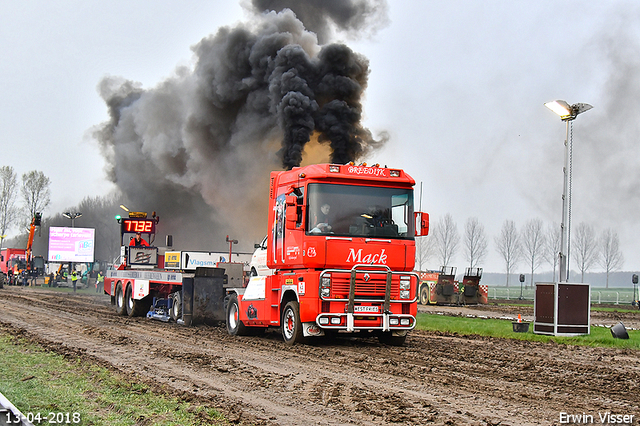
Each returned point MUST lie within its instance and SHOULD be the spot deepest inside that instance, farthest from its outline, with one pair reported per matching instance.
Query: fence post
(617, 298)
(507, 294)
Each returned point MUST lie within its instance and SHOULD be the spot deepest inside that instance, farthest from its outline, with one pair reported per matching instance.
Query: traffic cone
(519, 318)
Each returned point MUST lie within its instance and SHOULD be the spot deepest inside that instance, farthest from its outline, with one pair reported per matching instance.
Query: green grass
(600, 336)
(36, 381)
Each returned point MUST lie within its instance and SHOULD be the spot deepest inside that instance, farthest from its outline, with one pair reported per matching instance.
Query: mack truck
(341, 247)
(347, 268)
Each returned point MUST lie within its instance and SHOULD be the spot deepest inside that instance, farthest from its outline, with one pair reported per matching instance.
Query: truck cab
(341, 244)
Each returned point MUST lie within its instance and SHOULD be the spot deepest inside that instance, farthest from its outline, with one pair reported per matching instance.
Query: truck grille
(372, 288)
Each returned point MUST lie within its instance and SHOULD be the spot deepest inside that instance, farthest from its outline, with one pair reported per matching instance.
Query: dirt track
(434, 379)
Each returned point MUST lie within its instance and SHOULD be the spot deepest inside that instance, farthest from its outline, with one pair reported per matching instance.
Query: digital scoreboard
(132, 225)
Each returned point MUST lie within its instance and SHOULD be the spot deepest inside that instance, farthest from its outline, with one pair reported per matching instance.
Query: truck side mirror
(292, 217)
(292, 211)
(422, 224)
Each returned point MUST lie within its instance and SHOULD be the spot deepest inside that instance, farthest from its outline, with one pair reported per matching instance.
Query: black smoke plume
(198, 147)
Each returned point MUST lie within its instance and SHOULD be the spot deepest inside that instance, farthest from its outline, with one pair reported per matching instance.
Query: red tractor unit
(341, 246)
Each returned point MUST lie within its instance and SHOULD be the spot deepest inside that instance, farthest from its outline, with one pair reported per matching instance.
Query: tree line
(21, 199)
(533, 244)
(20, 202)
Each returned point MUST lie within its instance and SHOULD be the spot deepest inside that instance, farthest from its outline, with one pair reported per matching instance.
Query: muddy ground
(434, 379)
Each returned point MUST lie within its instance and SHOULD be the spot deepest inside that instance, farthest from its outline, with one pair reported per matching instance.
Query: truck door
(278, 231)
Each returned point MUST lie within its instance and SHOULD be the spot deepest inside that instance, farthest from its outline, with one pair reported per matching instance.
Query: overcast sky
(458, 85)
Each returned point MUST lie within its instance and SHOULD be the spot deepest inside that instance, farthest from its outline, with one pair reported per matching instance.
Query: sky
(458, 86)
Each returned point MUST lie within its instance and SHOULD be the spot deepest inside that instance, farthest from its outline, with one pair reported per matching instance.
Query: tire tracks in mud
(434, 379)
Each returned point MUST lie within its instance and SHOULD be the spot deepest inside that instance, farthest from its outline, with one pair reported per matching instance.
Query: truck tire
(136, 308)
(387, 338)
(128, 300)
(235, 327)
(424, 295)
(176, 306)
(120, 301)
(291, 325)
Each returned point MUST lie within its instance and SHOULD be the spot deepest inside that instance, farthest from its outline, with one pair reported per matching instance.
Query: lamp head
(565, 111)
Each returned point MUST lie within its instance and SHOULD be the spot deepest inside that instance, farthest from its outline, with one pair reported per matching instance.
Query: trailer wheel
(424, 295)
(128, 300)
(291, 325)
(387, 338)
(136, 308)
(235, 327)
(120, 302)
(141, 307)
(176, 306)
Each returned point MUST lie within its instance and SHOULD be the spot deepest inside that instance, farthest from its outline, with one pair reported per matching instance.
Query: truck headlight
(405, 284)
(325, 286)
(404, 294)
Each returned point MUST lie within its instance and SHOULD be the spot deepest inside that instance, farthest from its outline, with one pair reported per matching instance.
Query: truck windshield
(360, 211)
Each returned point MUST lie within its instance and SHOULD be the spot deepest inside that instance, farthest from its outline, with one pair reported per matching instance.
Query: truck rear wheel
(235, 327)
(120, 302)
(291, 325)
(176, 306)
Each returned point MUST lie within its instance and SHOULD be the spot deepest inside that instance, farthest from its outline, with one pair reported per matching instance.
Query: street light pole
(73, 216)
(567, 113)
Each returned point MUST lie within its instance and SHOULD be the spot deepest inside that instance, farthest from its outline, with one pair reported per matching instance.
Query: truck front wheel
(120, 302)
(235, 327)
(291, 325)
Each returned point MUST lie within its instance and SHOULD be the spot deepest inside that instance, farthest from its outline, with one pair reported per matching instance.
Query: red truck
(342, 268)
(12, 261)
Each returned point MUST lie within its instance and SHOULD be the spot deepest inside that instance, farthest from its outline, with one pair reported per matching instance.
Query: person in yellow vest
(99, 282)
(74, 280)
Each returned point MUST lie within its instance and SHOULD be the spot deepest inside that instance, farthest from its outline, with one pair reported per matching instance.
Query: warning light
(118, 217)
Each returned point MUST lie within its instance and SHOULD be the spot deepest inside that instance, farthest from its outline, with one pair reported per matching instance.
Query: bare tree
(447, 239)
(610, 258)
(584, 248)
(475, 242)
(425, 249)
(508, 245)
(553, 242)
(35, 192)
(8, 195)
(532, 238)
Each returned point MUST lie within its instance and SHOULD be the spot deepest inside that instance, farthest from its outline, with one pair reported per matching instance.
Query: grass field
(600, 336)
(46, 386)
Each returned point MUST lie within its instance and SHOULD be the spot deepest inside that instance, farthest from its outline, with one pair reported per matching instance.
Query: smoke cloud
(198, 147)
(321, 16)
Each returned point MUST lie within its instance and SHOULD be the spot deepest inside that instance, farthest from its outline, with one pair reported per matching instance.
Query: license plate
(358, 308)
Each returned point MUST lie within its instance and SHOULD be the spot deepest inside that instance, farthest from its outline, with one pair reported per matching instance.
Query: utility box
(562, 309)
